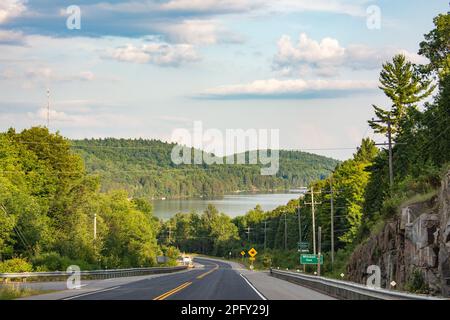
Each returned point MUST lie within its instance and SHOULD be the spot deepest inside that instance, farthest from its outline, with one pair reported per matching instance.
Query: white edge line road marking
(254, 289)
(89, 293)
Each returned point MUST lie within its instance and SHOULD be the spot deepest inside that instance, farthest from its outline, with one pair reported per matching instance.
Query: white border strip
(89, 293)
(251, 286)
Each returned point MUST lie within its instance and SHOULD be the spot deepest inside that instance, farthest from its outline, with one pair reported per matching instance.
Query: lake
(233, 205)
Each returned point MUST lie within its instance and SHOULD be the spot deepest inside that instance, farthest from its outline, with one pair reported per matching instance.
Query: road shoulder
(88, 286)
(273, 288)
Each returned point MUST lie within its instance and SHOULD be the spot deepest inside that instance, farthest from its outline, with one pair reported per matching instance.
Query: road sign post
(311, 259)
(320, 249)
(252, 252)
(303, 247)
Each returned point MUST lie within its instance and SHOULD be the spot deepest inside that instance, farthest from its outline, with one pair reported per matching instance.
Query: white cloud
(11, 37)
(321, 55)
(327, 56)
(53, 114)
(199, 32)
(10, 9)
(45, 73)
(191, 8)
(216, 7)
(352, 7)
(77, 120)
(289, 88)
(86, 76)
(159, 53)
(211, 5)
(193, 32)
(349, 7)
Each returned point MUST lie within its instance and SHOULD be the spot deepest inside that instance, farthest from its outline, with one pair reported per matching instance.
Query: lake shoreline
(237, 192)
(233, 205)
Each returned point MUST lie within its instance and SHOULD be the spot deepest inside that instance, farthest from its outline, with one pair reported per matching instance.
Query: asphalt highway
(216, 281)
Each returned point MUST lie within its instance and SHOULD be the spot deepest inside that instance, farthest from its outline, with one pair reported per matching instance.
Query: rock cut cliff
(412, 249)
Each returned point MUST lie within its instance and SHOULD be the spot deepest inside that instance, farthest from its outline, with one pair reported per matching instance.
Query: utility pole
(248, 233)
(300, 234)
(332, 220)
(312, 203)
(391, 169)
(389, 144)
(285, 231)
(299, 226)
(265, 234)
(169, 233)
(95, 226)
(313, 220)
(320, 250)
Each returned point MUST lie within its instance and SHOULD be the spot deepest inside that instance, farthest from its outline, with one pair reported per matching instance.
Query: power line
(312, 203)
(19, 233)
(389, 144)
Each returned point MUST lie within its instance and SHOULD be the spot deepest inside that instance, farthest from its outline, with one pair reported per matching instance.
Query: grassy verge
(11, 291)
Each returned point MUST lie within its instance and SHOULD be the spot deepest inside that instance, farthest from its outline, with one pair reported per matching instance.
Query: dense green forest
(364, 199)
(144, 168)
(47, 208)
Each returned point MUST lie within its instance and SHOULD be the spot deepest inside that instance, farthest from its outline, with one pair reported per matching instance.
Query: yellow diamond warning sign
(242, 253)
(252, 252)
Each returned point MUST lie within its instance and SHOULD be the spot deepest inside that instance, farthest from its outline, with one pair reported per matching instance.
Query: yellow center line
(184, 285)
(173, 291)
(206, 273)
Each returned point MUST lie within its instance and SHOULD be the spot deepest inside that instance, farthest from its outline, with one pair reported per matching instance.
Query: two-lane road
(216, 281)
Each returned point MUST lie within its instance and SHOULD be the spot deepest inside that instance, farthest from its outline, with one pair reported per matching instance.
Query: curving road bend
(216, 281)
(212, 279)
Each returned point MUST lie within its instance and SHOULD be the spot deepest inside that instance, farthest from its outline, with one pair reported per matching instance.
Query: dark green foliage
(48, 203)
(416, 283)
(15, 265)
(211, 233)
(422, 143)
(405, 88)
(145, 169)
(436, 47)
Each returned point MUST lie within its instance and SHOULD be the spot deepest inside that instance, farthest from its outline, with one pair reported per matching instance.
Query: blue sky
(146, 67)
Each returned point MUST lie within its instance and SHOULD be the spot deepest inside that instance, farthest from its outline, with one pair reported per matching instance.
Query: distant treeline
(144, 168)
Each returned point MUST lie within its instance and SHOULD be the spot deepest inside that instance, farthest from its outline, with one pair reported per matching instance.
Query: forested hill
(144, 168)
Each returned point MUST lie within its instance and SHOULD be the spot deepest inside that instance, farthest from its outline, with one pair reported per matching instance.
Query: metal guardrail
(344, 289)
(94, 274)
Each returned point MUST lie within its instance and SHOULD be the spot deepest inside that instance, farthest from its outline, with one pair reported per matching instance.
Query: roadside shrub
(172, 253)
(15, 265)
(416, 283)
(52, 261)
(266, 261)
(391, 207)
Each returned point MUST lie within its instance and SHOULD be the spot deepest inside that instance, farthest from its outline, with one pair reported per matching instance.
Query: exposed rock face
(416, 243)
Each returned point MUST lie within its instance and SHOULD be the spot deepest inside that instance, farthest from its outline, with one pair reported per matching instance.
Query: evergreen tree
(405, 88)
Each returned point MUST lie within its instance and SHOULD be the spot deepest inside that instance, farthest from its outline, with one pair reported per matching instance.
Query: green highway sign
(303, 247)
(310, 259)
